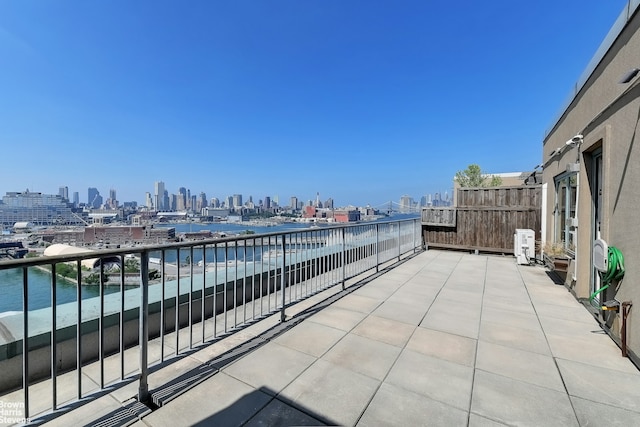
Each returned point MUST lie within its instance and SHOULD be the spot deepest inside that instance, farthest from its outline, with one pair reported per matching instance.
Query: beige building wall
(607, 114)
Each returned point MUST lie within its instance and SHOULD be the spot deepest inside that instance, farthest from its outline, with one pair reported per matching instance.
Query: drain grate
(124, 416)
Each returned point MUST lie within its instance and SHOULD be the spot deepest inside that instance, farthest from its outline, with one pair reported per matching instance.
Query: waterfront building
(346, 215)
(36, 208)
(112, 235)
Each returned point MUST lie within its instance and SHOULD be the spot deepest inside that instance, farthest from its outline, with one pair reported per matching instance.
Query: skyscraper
(64, 193)
(237, 201)
(94, 199)
(112, 202)
(182, 199)
(159, 196)
(329, 203)
(406, 204)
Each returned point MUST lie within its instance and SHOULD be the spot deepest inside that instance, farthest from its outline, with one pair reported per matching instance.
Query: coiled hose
(615, 270)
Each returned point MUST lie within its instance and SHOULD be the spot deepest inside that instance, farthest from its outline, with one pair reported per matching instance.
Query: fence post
(283, 315)
(25, 340)
(399, 245)
(143, 387)
(377, 247)
(343, 258)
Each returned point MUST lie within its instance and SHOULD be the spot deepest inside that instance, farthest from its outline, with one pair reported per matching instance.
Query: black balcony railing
(215, 286)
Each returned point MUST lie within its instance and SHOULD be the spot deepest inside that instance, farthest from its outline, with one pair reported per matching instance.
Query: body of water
(66, 291)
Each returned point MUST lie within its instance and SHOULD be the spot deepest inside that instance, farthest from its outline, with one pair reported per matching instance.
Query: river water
(66, 291)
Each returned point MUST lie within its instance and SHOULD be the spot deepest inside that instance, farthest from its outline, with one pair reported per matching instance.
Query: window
(565, 210)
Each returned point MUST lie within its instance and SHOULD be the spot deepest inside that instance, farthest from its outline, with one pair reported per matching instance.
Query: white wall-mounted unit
(600, 255)
(524, 245)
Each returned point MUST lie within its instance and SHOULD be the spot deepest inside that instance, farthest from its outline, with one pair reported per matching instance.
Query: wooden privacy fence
(484, 219)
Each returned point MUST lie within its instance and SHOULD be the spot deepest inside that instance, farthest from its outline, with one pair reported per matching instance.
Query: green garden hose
(615, 270)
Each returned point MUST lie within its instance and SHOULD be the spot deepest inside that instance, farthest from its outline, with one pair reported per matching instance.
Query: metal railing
(215, 285)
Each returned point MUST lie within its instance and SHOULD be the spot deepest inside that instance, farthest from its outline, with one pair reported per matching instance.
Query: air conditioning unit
(524, 246)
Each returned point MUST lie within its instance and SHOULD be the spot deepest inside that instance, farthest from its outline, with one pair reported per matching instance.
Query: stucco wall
(607, 113)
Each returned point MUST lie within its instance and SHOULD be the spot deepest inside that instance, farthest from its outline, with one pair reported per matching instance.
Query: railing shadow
(282, 413)
(261, 408)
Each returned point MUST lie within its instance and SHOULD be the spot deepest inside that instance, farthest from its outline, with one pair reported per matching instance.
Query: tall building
(267, 202)
(112, 202)
(76, 199)
(215, 203)
(237, 201)
(166, 201)
(148, 201)
(406, 204)
(202, 202)
(329, 203)
(94, 199)
(158, 196)
(293, 202)
(64, 193)
(182, 199)
(36, 208)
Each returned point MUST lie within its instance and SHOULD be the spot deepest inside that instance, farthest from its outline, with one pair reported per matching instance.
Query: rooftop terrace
(445, 338)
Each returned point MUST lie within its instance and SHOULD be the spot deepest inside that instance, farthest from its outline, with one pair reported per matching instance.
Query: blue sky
(361, 101)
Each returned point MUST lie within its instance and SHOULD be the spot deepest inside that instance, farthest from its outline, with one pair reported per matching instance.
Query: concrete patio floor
(447, 338)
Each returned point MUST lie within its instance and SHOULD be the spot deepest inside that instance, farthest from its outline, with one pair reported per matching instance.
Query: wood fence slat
(485, 218)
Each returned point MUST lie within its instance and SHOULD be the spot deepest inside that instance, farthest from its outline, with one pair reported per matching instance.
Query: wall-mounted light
(576, 140)
(629, 75)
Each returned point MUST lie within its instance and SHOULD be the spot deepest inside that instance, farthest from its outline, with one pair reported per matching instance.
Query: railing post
(377, 248)
(25, 339)
(414, 236)
(54, 340)
(143, 387)
(343, 258)
(399, 248)
(283, 315)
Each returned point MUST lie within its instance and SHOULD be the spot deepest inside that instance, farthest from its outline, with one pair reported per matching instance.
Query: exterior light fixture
(576, 140)
(629, 75)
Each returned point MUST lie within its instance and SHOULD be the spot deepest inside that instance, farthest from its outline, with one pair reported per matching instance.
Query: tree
(473, 176)
(131, 265)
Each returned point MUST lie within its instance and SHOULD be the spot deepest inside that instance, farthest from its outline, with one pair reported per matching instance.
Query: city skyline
(95, 200)
(362, 100)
